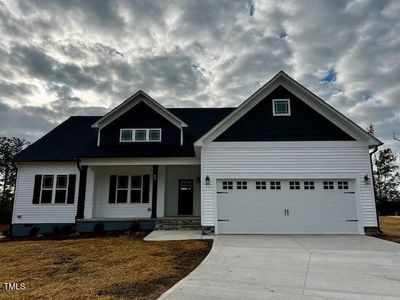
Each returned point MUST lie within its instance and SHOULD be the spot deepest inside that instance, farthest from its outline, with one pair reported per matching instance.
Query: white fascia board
(140, 161)
(132, 101)
(301, 92)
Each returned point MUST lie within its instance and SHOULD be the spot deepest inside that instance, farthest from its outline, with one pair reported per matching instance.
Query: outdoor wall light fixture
(207, 180)
(367, 180)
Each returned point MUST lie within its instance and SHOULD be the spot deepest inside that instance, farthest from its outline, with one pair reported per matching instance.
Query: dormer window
(281, 107)
(140, 135)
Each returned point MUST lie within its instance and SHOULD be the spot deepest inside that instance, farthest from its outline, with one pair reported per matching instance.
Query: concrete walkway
(294, 267)
(176, 235)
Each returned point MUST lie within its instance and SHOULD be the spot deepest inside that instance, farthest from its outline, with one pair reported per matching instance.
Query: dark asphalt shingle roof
(76, 138)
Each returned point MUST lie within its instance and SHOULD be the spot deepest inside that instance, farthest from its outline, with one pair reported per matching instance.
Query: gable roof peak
(131, 102)
(303, 93)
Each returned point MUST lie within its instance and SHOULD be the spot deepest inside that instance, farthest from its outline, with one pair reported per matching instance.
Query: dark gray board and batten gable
(140, 116)
(303, 124)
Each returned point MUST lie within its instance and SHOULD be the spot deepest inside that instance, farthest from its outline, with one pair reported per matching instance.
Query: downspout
(81, 190)
(374, 187)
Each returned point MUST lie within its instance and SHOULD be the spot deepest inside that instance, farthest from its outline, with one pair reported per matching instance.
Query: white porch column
(161, 192)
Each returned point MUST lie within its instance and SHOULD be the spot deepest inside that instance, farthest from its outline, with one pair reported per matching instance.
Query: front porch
(146, 193)
(127, 224)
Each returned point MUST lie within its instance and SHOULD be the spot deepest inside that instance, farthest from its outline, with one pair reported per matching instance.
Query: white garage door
(286, 206)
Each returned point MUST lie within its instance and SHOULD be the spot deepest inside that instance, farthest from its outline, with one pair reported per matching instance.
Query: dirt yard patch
(390, 227)
(102, 268)
(3, 227)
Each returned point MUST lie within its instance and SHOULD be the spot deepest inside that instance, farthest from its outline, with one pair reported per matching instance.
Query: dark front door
(185, 197)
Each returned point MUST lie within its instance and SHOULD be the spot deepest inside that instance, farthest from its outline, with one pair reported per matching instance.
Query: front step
(178, 224)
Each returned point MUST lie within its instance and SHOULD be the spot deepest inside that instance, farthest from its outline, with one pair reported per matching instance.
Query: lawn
(390, 227)
(104, 268)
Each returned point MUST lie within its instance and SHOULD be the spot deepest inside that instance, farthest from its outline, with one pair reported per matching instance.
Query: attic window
(140, 135)
(281, 107)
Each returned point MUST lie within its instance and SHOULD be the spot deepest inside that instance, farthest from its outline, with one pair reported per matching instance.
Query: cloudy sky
(63, 58)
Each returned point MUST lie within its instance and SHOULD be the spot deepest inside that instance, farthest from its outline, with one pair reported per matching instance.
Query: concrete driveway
(295, 267)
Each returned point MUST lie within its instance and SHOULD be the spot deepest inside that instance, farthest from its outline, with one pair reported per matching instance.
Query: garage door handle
(223, 220)
(222, 192)
(352, 220)
(348, 192)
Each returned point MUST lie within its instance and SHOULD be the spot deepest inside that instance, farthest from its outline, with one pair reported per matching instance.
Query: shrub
(5, 211)
(56, 230)
(135, 226)
(98, 228)
(68, 229)
(6, 232)
(34, 231)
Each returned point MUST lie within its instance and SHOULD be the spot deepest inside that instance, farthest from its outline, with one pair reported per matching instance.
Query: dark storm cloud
(59, 58)
(15, 89)
(28, 122)
(40, 65)
(100, 14)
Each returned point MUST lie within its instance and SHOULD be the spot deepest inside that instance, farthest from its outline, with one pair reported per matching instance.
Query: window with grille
(241, 185)
(328, 185)
(294, 185)
(275, 185)
(261, 185)
(343, 185)
(227, 185)
(309, 185)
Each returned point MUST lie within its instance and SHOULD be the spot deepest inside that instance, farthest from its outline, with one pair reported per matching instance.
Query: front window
(54, 189)
(122, 189)
(126, 135)
(61, 188)
(281, 107)
(155, 134)
(140, 135)
(129, 189)
(136, 189)
(47, 189)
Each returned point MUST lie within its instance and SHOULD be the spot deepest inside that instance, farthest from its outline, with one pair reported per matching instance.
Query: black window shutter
(146, 188)
(71, 189)
(113, 184)
(36, 189)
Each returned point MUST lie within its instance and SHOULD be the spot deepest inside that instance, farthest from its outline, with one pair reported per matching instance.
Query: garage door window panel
(241, 185)
(275, 185)
(294, 185)
(328, 185)
(261, 185)
(343, 185)
(227, 185)
(309, 185)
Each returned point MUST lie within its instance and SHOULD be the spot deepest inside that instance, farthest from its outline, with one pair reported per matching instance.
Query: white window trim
(53, 189)
(129, 189)
(280, 114)
(147, 140)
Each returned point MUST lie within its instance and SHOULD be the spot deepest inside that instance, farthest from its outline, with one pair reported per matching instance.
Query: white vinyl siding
(88, 213)
(103, 209)
(307, 160)
(42, 213)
